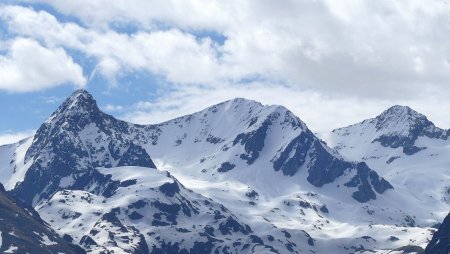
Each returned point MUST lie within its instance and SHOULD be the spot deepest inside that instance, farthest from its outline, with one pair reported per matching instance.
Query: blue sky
(145, 61)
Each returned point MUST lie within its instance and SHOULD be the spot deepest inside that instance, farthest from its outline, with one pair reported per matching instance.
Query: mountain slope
(150, 212)
(410, 152)
(23, 231)
(406, 148)
(397, 127)
(240, 134)
(440, 244)
(75, 140)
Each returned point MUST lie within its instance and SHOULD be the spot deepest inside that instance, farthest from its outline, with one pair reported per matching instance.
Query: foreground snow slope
(149, 211)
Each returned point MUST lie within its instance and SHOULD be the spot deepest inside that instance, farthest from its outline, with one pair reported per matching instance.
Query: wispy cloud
(12, 137)
(113, 108)
(52, 99)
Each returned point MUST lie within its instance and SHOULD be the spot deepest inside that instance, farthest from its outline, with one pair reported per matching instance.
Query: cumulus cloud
(199, 14)
(319, 58)
(178, 56)
(28, 66)
(365, 48)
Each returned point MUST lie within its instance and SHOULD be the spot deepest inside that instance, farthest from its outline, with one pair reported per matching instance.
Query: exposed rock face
(23, 231)
(75, 140)
(398, 126)
(440, 243)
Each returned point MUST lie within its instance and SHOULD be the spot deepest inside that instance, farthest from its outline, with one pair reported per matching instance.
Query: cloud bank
(341, 59)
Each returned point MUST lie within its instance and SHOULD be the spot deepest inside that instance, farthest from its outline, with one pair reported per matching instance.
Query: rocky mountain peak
(398, 126)
(400, 120)
(401, 126)
(79, 105)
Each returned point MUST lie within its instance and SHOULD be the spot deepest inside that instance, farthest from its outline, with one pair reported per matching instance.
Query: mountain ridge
(261, 163)
(23, 231)
(80, 110)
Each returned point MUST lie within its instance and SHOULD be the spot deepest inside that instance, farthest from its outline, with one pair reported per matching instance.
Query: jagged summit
(77, 112)
(80, 102)
(76, 139)
(401, 119)
(399, 110)
(398, 126)
(239, 111)
(235, 104)
(82, 96)
(251, 106)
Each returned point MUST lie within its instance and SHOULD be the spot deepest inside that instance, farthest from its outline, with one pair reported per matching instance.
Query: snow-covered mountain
(244, 178)
(78, 138)
(409, 151)
(399, 127)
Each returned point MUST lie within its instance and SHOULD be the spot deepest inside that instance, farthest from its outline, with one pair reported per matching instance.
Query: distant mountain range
(237, 177)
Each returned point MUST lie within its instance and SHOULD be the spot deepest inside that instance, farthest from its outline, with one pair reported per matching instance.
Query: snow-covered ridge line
(79, 137)
(259, 163)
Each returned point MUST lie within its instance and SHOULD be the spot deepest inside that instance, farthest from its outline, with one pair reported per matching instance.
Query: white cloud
(176, 55)
(52, 99)
(199, 14)
(28, 66)
(365, 48)
(13, 137)
(331, 62)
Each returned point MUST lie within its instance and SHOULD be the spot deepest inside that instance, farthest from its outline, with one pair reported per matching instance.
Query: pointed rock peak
(76, 112)
(400, 126)
(399, 118)
(80, 99)
(79, 103)
(81, 94)
(401, 111)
